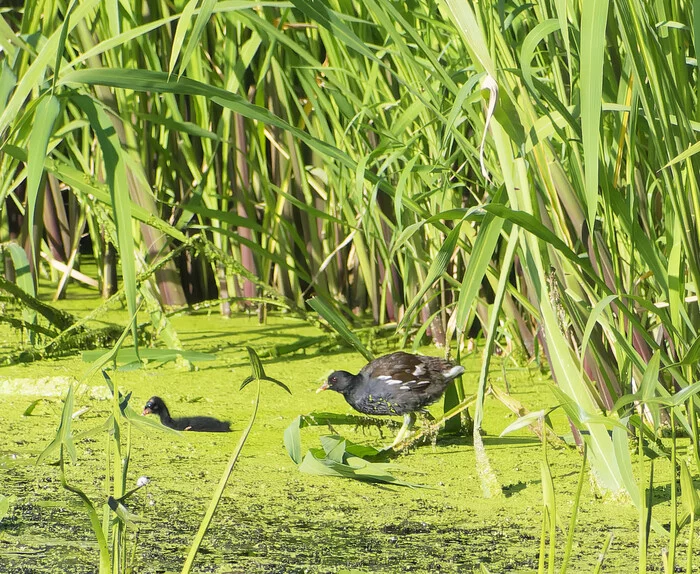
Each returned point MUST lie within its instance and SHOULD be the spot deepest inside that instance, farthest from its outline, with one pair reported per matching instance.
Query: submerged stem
(674, 497)
(574, 511)
(105, 566)
(642, 505)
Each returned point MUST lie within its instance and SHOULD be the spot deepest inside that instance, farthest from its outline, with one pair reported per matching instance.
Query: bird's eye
(334, 379)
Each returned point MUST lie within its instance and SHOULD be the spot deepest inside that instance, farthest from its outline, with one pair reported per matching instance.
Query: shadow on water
(510, 441)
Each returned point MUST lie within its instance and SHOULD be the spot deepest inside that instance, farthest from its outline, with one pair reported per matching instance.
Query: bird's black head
(154, 405)
(338, 381)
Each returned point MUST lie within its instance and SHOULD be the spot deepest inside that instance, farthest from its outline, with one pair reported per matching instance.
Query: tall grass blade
(574, 513)
(62, 43)
(179, 37)
(151, 81)
(193, 42)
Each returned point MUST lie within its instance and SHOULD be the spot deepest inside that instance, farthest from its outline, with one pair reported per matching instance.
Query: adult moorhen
(156, 406)
(395, 384)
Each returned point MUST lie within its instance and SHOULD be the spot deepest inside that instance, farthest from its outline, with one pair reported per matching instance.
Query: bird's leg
(409, 420)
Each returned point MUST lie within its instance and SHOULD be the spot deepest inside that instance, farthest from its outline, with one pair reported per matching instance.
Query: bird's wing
(402, 370)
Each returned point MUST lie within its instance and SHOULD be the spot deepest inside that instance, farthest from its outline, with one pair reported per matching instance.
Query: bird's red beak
(146, 411)
(323, 387)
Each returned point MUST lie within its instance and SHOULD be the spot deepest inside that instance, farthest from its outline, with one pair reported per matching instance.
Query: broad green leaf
(692, 355)
(479, 260)
(354, 467)
(597, 311)
(548, 497)
(494, 314)
(334, 447)
(647, 389)
(676, 399)
(8, 81)
(530, 223)
(123, 513)
(683, 156)
(689, 494)
(689, 497)
(463, 15)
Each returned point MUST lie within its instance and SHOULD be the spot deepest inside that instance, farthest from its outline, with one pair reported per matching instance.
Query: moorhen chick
(156, 406)
(395, 384)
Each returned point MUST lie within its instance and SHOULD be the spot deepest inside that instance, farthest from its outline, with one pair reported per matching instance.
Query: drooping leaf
(129, 355)
(30, 409)
(525, 421)
(339, 325)
(259, 372)
(123, 512)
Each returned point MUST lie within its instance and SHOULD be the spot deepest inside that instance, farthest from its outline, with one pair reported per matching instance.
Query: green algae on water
(273, 518)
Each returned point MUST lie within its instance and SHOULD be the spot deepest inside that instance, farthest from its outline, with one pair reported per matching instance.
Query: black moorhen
(395, 384)
(156, 406)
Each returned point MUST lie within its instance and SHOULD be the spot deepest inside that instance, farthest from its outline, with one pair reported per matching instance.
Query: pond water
(272, 517)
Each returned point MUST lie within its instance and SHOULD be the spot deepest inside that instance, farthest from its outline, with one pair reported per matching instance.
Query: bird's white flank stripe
(384, 377)
(405, 388)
